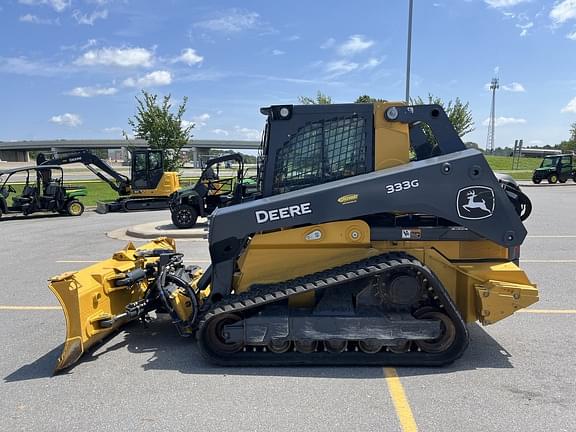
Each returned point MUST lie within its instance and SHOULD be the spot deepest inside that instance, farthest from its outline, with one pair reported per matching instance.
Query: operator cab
(147, 168)
(307, 145)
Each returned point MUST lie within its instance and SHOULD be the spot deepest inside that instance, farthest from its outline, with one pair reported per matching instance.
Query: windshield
(549, 162)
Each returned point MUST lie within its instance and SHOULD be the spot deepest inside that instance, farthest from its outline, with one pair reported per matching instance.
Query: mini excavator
(148, 188)
(367, 244)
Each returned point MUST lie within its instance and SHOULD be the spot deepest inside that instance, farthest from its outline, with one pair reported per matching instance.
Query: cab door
(565, 167)
(147, 168)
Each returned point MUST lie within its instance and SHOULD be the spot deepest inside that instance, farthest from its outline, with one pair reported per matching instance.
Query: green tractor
(555, 168)
(43, 191)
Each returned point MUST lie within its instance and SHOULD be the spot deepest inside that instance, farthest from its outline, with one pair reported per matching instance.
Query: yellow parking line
(403, 410)
(30, 308)
(549, 311)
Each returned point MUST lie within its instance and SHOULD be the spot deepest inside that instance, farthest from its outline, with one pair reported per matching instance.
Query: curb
(530, 184)
(162, 229)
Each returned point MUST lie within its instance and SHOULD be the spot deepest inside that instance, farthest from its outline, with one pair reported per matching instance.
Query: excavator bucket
(94, 299)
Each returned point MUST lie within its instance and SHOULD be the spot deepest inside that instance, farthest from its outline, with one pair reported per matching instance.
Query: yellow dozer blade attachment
(93, 298)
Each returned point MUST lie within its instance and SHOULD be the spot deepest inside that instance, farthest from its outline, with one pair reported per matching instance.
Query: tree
(473, 145)
(320, 99)
(368, 99)
(161, 128)
(458, 112)
(573, 132)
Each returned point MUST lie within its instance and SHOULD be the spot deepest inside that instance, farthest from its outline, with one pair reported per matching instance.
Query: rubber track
(261, 295)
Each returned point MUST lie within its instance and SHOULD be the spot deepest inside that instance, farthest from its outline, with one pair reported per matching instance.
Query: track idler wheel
(370, 346)
(445, 340)
(400, 348)
(306, 346)
(335, 346)
(215, 335)
(279, 346)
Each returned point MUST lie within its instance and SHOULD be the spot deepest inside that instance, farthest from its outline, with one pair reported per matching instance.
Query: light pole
(409, 50)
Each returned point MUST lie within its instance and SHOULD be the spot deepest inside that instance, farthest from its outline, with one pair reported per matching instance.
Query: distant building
(539, 152)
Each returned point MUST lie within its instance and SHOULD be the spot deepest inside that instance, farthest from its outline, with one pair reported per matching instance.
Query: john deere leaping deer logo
(475, 202)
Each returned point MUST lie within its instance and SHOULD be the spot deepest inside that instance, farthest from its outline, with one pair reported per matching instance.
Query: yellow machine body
(482, 283)
(168, 184)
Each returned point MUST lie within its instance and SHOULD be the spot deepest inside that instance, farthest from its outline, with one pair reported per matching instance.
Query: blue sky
(71, 68)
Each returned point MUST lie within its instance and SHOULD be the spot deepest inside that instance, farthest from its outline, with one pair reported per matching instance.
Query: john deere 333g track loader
(367, 244)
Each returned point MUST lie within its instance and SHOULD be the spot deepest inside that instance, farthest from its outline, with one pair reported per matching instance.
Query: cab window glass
(155, 161)
(140, 162)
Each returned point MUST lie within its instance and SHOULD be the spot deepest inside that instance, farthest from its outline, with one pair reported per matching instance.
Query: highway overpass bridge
(17, 151)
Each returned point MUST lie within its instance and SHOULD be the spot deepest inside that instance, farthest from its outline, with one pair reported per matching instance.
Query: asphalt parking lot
(517, 375)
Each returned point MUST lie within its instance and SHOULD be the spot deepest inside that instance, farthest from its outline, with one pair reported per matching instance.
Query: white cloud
(198, 121)
(340, 67)
(504, 121)
(153, 79)
(220, 132)
(278, 52)
(563, 11)
(33, 19)
(571, 36)
(232, 21)
(89, 19)
(514, 87)
(23, 66)
(57, 5)
(185, 124)
(92, 91)
(570, 107)
(123, 57)
(371, 63)
(248, 134)
(354, 45)
(202, 117)
(67, 119)
(524, 28)
(536, 142)
(503, 3)
(189, 56)
(328, 43)
(496, 70)
(112, 130)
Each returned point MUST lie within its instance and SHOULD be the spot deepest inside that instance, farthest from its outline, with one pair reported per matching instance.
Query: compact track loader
(367, 245)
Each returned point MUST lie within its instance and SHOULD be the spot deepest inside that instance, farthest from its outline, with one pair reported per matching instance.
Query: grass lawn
(503, 164)
(96, 190)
